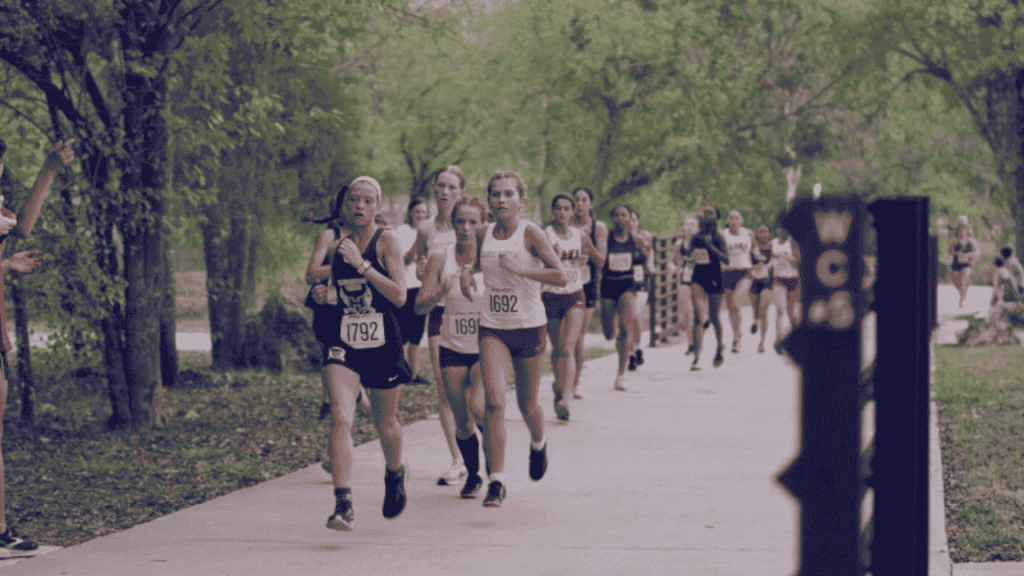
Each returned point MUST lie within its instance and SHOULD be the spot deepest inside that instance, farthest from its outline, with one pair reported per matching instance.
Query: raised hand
(60, 156)
(26, 262)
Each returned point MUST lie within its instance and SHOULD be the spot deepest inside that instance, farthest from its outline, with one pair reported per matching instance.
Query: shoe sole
(492, 503)
(339, 526)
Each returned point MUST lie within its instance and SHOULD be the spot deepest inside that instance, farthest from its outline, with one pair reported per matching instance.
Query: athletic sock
(538, 446)
(470, 450)
(497, 477)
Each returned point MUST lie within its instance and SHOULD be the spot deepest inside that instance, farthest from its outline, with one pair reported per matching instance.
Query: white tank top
(571, 253)
(461, 320)
(437, 242)
(737, 246)
(512, 301)
(406, 238)
(783, 268)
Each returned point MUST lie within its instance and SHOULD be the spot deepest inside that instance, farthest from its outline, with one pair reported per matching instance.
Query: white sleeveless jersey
(512, 301)
(461, 321)
(571, 254)
(738, 247)
(783, 268)
(406, 238)
(438, 242)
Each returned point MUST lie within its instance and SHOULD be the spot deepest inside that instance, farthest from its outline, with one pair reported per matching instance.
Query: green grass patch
(980, 394)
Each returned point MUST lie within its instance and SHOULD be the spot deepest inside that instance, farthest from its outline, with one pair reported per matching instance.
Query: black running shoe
(691, 349)
(639, 357)
(394, 492)
(538, 462)
(753, 328)
(343, 517)
(325, 410)
(495, 494)
(16, 544)
(561, 410)
(632, 363)
(719, 360)
(472, 486)
(706, 324)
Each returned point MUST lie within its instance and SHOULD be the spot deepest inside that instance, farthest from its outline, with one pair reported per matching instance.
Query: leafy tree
(967, 53)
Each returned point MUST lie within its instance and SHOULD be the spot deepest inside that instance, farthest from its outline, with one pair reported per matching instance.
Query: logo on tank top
(356, 296)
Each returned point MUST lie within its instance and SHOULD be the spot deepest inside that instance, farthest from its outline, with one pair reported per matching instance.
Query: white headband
(371, 181)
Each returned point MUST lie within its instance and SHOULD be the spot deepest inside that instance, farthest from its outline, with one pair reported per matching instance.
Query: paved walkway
(674, 476)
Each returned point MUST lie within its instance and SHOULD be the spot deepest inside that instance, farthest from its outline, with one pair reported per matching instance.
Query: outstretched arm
(59, 157)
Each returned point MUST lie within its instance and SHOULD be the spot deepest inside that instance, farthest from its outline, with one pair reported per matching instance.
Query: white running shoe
(579, 393)
(455, 475)
(619, 382)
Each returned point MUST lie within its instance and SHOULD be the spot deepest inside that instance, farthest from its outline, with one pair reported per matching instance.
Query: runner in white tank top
(786, 285)
(458, 341)
(515, 258)
(736, 280)
(566, 306)
(433, 235)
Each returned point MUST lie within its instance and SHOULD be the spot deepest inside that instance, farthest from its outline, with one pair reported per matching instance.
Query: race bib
(572, 275)
(638, 273)
(620, 261)
(585, 274)
(463, 323)
(700, 256)
(503, 302)
(361, 331)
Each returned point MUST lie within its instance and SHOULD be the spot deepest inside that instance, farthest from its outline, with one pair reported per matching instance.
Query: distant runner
(598, 234)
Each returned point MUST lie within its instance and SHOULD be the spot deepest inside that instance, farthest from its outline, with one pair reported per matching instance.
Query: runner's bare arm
(593, 253)
(422, 248)
(432, 291)
(537, 244)
(316, 272)
(600, 242)
(389, 254)
(467, 283)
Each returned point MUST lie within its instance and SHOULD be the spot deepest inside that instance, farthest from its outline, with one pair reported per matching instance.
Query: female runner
(515, 258)
(623, 272)
(709, 252)
(565, 307)
(683, 261)
(598, 233)
(761, 287)
(368, 277)
(434, 236)
(964, 250)
(643, 288)
(736, 280)
(412, 324)
(458, 343)
(786, 285)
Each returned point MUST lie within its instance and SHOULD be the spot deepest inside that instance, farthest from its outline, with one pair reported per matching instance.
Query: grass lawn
(980, 395)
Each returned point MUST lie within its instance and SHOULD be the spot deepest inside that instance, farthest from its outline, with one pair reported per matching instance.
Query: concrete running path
(674, 476)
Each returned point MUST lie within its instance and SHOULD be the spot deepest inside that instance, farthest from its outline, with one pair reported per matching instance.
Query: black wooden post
(903, 300)
(826, 476)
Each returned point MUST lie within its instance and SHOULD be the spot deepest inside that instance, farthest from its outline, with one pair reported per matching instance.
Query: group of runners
(1007, 276)
(490, 288)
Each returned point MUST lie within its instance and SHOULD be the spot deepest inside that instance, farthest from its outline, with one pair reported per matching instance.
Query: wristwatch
(364, 266)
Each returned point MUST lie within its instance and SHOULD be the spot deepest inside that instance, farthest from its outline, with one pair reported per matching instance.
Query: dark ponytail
(336, 218)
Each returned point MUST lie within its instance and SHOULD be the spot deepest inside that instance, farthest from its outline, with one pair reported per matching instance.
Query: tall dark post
(903, 301)
(826, 476)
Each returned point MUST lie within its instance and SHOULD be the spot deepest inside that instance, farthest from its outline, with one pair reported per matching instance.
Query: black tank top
(712, 268)
(622, 257)
(962, 251)
(368, 318)
(593, 240)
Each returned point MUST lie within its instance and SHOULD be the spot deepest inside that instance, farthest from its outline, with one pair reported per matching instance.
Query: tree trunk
(249, 286)
(226, 247)
(28, 394)
(168, 324)
(604, 146)
(142, 183)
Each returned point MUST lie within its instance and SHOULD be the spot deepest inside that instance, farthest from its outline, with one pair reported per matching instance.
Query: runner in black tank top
(623, 269)
(369, 275)
(709, 251)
